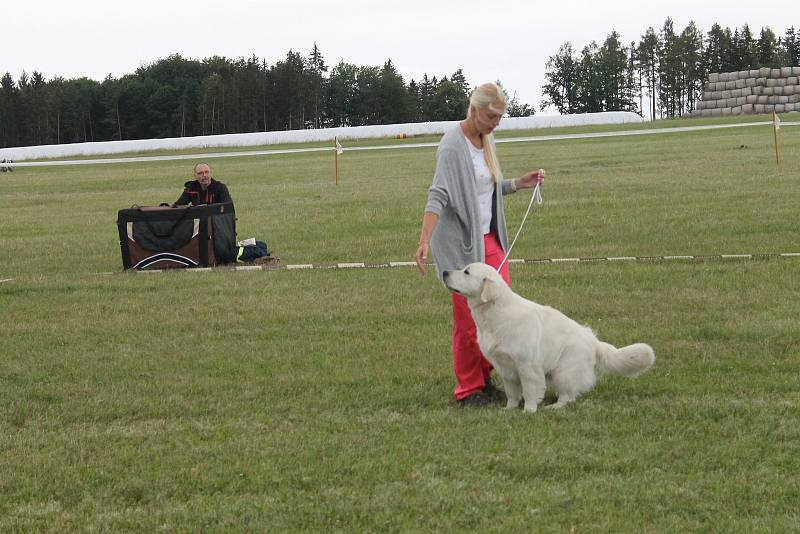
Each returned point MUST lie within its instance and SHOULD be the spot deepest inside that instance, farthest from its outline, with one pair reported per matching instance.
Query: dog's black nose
(445, 274)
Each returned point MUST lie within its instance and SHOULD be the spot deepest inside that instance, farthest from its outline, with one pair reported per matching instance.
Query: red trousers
(469, 364)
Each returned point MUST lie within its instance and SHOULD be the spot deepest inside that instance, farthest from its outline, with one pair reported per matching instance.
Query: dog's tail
(629, 361)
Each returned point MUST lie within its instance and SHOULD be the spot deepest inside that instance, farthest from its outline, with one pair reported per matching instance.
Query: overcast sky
(508, 41)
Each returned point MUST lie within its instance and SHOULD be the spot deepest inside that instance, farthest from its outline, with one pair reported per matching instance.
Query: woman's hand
(421, 256)
(530, 179)
(429, 221)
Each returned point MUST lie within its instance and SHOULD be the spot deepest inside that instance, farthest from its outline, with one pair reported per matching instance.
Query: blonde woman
(464, 223)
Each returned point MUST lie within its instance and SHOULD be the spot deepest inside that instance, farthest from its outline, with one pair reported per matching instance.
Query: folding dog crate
(180, 237)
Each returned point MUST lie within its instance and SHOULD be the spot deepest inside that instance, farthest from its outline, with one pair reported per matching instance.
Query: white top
(484, 185)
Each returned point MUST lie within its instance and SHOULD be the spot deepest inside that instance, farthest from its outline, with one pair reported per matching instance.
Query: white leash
(536, 196)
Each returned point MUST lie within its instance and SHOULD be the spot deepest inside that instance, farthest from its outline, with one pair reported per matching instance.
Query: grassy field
(321, 400)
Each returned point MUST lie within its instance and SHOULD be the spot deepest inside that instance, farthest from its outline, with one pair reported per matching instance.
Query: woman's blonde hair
(489, 95)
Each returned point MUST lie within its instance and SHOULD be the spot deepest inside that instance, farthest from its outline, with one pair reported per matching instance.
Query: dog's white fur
(526, 341)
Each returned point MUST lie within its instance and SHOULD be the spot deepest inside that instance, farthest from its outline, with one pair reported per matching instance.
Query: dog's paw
(512, 405)
(562, 401)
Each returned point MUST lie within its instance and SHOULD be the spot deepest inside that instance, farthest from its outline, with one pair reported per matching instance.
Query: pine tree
(9, 112)
(748, 49)
(393, 97)
(589, 80)
(669, 64)
(647, 60)
(728, 52)
(427, 90)
(561, 74)
(694, 72)
(612, 59)
(713, 56)
(316, 66)
(768, 51)
(791, 47)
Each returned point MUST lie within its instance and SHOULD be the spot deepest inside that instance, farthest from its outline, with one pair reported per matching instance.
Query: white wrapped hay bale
(779, 108)
(750, 91)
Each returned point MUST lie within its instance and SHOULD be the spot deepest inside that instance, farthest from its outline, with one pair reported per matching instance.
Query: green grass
(321, 400)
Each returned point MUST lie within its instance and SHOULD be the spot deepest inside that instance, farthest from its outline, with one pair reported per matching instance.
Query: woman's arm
(429, 221)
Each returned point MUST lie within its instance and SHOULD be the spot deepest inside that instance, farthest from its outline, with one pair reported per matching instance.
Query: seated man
(203, 189)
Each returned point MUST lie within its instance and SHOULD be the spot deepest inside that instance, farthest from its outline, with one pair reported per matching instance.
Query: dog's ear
(488, 290)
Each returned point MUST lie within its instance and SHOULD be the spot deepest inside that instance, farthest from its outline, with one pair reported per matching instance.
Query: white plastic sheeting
(303, 136)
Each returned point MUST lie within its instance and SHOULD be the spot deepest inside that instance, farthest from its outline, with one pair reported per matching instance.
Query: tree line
(176, 97)
(665, 67)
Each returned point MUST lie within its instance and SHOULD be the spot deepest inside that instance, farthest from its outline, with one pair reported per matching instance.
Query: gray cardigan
(457, 240)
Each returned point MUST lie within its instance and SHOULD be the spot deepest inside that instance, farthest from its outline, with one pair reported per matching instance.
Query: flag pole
(336, 152)
(775, 135)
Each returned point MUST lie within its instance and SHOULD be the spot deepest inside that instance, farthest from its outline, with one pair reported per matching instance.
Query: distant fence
(751, 91)
(302, 136)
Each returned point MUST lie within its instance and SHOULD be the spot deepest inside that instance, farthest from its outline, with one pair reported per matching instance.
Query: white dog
(526, 341)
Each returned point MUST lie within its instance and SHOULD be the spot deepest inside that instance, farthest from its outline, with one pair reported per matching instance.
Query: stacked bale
(761, 90)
